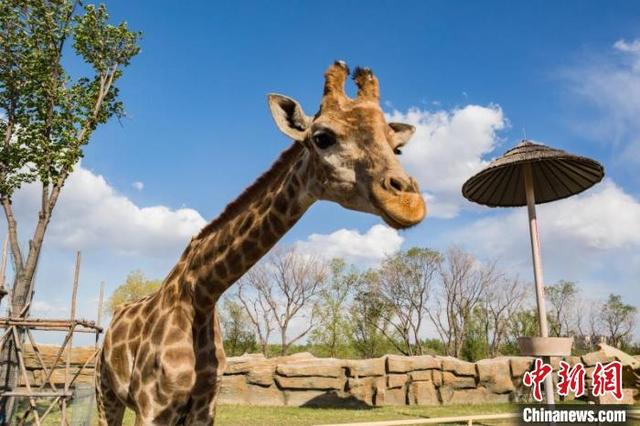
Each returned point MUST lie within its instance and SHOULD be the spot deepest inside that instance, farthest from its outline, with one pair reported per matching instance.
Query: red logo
(535, 378)
(605, 379)
(608, 379)
(571, 379)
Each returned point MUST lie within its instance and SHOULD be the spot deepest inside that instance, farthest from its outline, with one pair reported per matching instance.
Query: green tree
(239, 337)
(463, 284)
(331, 337)
(503, 299)
(562, 299)
(367, 328)
(475, 345)
(618, 321)
(434, 347)
(135, 287)
(47, 117)
(404, 283)
(523, 323)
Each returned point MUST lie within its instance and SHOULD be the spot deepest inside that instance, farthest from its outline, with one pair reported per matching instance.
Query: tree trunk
(8, 360)
(21, 296)
(283, 342)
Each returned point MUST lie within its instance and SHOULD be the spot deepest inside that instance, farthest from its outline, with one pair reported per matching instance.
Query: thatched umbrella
(527, 174)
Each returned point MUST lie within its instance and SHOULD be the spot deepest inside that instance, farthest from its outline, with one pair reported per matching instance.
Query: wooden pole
(58, 355)
(437, 420)
(100, 302)
(100, 311)
(36, 351)
(537, 270)
(74, 294)
(72, 316)
(25, 376)
(96, 345)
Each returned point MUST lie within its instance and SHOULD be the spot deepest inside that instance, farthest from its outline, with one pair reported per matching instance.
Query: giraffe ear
(402, 133)
(289, 117)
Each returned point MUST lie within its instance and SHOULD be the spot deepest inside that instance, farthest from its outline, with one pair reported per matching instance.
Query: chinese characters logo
(605, 379)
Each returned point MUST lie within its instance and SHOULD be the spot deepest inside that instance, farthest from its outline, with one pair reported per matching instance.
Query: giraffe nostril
(394, 183)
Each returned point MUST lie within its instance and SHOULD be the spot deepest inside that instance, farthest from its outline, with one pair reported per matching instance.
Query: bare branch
(502, 300)
(463, 282)
(286, 285)
(258, 314)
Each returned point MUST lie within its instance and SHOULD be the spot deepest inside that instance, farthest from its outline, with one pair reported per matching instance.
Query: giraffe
(162, 356)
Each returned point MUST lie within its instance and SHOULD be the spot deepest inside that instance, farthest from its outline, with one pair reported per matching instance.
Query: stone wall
(304, 380)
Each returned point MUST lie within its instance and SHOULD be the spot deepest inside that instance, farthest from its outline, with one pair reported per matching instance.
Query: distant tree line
(293, 301)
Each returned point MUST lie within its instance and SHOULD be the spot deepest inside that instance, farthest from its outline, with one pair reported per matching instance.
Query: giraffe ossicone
(162, 356)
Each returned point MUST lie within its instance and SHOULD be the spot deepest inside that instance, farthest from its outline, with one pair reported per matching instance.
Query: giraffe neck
(245, 231)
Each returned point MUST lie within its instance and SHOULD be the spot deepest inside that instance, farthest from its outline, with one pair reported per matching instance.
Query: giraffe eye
(397, 151)
(324, 139)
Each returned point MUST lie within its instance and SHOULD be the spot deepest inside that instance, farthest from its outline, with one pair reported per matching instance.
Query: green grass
(236, 415)
(300, 416)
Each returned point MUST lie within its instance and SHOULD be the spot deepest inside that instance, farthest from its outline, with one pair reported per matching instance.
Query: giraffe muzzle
(400, 203)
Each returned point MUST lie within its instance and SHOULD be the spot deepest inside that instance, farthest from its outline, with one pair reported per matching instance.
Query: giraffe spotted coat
(162, 355)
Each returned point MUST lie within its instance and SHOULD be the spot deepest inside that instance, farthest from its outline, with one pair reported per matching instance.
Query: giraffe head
(353, 150)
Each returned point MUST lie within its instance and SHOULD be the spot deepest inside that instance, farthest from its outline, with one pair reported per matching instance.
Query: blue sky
(470, 75)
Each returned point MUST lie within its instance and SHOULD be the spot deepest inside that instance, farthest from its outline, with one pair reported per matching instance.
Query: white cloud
(349, 244)
(610, 85)
(138, 185)
(40, 307)
(603, 218)
(92, 214)
(447, 148)
(593, 238)
(625, 46)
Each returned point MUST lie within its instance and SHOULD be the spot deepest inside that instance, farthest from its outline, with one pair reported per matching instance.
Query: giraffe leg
(110, 413)
(203, 408)
(213, 406)
(170, 413)
(169, 401)
(201, 412)
(208, 380)
(110, 408)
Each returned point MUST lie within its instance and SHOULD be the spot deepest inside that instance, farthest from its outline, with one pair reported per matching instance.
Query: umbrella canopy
(556, 174)
(528, 174)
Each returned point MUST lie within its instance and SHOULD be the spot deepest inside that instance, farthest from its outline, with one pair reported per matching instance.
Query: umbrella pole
(537, 270)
